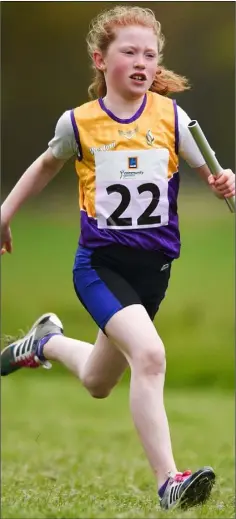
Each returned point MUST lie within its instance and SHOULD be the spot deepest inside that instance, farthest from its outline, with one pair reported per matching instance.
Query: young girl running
(126, 145)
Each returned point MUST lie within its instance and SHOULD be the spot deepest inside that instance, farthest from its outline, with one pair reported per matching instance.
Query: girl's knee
(150, 360)
(95, 389)
(99, 392)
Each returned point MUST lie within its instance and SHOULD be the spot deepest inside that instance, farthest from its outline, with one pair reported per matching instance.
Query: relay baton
(209, 156)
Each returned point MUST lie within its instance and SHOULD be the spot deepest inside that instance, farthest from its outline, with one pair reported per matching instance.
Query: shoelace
(178, 477)
(29, 360)
(181, 476)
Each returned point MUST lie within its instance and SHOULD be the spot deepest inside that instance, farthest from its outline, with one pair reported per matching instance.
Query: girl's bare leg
(135, 335)
(98, 366)
(131, 339)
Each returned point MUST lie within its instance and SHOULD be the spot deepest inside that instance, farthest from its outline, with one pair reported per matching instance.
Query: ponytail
(168, 82)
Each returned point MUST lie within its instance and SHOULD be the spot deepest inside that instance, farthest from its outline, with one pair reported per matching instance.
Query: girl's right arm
(35, 178)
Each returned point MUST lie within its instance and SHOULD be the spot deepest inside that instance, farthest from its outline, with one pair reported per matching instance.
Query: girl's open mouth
(138, 77)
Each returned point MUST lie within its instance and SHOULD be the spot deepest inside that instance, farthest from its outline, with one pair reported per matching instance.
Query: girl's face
(130, 62)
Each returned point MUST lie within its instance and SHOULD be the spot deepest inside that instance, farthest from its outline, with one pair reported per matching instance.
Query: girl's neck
(120, 107)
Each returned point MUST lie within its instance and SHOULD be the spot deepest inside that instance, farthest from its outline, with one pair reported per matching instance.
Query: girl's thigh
(135, 335)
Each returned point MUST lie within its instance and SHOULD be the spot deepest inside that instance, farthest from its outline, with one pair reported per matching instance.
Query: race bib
(131, 188)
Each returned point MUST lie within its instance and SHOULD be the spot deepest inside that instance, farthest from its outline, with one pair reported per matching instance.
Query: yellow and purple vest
(128, 175)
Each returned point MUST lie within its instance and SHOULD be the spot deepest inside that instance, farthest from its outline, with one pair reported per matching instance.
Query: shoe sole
(198, 491)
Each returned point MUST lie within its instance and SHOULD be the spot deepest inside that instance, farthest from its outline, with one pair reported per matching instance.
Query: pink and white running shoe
(185, 489)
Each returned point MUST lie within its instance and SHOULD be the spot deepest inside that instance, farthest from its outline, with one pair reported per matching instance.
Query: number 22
(146, 218)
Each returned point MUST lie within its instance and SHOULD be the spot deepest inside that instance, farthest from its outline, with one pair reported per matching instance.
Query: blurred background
(45, 71)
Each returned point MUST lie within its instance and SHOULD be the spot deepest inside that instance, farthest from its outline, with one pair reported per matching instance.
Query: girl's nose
(139, 64)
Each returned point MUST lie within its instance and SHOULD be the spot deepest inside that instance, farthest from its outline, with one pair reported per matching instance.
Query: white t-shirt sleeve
(188, 149)
(63, 144)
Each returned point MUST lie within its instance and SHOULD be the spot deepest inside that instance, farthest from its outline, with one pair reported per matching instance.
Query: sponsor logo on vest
(149, 138)
(129, 134)
(132, 162)
(106, 147)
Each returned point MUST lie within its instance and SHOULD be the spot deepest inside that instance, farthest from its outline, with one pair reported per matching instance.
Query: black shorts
(110, 278)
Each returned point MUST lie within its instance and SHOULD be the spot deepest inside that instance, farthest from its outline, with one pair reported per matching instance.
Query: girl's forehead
(133, 33)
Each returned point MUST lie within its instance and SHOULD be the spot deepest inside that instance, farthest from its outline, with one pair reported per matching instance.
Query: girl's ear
(99, 61)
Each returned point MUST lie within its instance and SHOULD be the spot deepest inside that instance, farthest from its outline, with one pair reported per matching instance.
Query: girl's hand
(6, 239)
(224, 184)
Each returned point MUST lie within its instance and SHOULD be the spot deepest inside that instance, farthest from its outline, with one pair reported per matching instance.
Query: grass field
(65, 455)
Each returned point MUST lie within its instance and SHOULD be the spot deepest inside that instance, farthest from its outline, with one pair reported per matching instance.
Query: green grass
(65, 455)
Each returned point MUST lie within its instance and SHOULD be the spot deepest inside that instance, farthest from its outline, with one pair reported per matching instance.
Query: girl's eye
(150, 56)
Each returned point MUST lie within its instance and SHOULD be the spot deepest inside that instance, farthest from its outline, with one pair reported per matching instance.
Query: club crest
(149, 138)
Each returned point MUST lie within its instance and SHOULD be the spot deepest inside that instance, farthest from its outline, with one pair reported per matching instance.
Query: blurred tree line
(45, 71)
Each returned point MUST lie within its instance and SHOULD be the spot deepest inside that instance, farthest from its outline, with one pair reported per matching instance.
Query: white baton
(209, 156)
